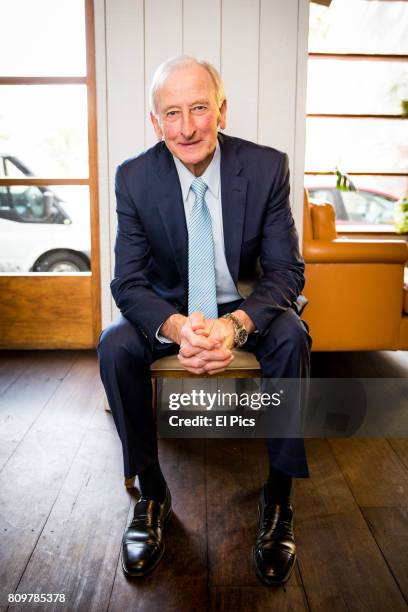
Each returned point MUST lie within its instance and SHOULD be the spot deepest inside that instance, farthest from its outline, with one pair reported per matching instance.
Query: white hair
(167, 67)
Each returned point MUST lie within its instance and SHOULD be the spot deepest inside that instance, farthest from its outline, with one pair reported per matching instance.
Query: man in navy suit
(237, 194)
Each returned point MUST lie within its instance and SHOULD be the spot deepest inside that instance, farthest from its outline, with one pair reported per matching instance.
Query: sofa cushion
(323, 221)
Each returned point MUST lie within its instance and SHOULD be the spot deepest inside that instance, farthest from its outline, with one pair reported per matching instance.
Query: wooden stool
(244, 365)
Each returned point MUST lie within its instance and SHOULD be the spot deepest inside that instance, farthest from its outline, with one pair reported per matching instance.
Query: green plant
(344, 182)
(401, 216)
(400, 89)
(404, 107)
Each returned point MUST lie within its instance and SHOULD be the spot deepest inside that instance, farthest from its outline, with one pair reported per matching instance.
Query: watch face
(241, 334)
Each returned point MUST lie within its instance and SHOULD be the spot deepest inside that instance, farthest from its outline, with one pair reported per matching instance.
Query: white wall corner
(103, 166)
(300, 113)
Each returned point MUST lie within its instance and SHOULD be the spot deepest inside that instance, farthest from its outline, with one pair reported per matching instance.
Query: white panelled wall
(260, 47)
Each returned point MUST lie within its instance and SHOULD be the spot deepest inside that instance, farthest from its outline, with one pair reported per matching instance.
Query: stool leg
(130, 482)
(154, 397)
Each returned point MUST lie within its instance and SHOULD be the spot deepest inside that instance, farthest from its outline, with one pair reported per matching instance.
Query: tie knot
(199, 187)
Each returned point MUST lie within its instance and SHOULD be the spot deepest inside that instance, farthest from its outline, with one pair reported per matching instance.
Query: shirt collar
(211, 176)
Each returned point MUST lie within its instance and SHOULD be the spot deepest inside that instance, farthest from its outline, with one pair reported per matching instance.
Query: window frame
(357, 57)
(89, 80)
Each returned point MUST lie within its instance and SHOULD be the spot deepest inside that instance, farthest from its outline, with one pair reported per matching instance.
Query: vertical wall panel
(280, 109)
(277, 75)
(163, 39)
(102, 125)
(125, 77)
(239, 65)
(125, 100)
(298, 167)
(202, 30)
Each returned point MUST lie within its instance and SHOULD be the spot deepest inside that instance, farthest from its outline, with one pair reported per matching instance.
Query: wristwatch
(240, 333)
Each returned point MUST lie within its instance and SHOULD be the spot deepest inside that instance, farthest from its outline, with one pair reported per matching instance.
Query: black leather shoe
(142, 544)
(275, 550)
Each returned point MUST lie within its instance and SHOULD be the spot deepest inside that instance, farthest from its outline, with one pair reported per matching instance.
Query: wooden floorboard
(389, 527)
(12, 364)
(342, 567)
(400, 447)
(27, 395)
(236, 472)
(258, 599)
(373, 471)
(63, 506)
(180, 583)
(79, 545)
(32, 479)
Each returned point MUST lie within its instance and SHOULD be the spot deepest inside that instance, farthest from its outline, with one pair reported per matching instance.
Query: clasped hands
(205, 344)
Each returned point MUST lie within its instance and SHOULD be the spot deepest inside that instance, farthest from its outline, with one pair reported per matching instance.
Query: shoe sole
(156, 563)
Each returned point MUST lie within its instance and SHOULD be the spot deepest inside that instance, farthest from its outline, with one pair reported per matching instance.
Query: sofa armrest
(355, 251)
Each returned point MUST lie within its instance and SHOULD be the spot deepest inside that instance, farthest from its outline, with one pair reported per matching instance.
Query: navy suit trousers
(125, 356)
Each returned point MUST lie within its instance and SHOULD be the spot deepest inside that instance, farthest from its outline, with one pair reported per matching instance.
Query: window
(47, 136)
(49, 275)
(357, 107)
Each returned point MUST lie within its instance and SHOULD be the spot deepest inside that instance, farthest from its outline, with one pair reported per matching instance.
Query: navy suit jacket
(151, 276)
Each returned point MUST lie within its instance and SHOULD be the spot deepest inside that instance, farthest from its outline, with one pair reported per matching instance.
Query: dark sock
(152, 483)
(278, 486)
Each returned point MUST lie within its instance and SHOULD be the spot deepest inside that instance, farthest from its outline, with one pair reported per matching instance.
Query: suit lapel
(233, 195)
(171, 209)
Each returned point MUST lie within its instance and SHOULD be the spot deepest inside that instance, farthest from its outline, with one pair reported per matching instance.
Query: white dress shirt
(226, 290)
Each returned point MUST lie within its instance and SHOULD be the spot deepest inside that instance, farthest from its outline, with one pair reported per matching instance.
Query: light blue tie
(202, 291)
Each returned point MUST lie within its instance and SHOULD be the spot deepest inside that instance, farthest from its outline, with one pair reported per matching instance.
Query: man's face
(188, 116)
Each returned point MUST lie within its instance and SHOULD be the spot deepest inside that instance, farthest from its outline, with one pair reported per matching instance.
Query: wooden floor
(64, 508)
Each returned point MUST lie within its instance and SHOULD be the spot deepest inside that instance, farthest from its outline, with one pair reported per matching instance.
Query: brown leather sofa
(355, 287)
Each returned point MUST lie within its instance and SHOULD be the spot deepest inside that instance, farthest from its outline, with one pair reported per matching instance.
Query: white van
(40, 231)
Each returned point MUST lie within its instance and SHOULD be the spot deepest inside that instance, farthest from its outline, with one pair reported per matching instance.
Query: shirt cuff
(162, 339)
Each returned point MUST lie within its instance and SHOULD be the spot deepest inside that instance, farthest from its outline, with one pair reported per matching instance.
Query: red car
(355, 207)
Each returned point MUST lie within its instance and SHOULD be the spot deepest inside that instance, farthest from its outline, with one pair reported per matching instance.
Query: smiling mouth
(189, 144)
